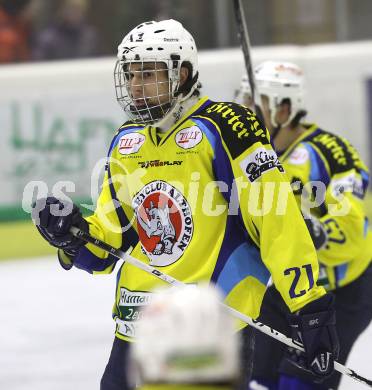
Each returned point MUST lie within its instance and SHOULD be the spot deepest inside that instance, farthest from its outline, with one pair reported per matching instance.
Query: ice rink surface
(56, 329)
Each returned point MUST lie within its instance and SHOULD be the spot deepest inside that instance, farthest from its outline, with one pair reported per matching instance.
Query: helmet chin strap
(150, 114)
(180, 106)
(277, 126)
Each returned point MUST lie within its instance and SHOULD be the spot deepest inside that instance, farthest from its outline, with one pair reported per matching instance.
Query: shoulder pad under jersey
(239, 126)
(334, 150)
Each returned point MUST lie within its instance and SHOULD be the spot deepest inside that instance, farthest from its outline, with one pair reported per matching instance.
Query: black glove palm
(54, 218)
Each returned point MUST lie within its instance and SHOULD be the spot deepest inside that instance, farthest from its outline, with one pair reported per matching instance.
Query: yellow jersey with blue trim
(201, 203)
(330, 180)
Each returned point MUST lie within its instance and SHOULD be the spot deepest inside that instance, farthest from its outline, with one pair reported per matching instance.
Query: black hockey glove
(54, 218)
(317, 231)
(314, 327)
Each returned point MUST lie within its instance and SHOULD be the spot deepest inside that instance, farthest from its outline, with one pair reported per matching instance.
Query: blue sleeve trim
(318, 170)
(221, 162)
(244, 261)
(129, 234)
(239, 257)
(340, 273)
(365, 179)
(366, 224)
(89, 262)
(202, 124)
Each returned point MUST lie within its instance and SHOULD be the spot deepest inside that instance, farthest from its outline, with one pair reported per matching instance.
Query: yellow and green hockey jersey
(192, 203)
(324, 158)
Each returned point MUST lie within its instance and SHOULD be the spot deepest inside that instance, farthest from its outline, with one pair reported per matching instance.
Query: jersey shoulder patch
(238, 126)
(127, 128)
(299, 155)
(355, 156)
(333, 149)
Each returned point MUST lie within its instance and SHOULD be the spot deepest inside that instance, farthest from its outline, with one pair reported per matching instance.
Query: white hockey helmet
(243, 95)
(281, 80)
(165, 42)
(278, 80)
(185, 336)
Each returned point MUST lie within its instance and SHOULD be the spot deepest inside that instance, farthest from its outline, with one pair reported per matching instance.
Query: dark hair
(186, 87)
(299, 115)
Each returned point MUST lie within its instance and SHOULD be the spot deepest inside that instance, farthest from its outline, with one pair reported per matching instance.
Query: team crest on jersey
(189, 137)
(344, 184)
(131, 143)
(299, 156)
(258, 162)
(164, 220)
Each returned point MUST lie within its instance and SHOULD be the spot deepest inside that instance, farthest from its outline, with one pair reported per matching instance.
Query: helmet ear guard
(190, 84)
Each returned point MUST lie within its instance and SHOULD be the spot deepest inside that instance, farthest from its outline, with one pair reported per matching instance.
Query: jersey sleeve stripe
(318, 169)
(365, 180)
(235, 236)
(244, 261)
(340, 273)
(202, 124)
(129, 236)
(213, 126)
(221, 163)
(89, 262)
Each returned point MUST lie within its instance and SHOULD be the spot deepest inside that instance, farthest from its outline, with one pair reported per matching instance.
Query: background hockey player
(186, 338)
(309, 155)
(190, 212)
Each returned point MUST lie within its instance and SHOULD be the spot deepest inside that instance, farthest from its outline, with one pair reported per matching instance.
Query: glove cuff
(317, 320)
(322, 304)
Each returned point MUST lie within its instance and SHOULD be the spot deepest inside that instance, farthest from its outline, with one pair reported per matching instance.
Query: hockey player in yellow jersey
(329, 181)
(182, 188)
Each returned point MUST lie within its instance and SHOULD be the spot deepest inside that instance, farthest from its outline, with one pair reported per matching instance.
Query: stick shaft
(244, 40)
(174, 282)
(245, 44)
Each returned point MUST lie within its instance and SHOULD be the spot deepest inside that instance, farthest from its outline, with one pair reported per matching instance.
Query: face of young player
(281, 115)
(148, 84)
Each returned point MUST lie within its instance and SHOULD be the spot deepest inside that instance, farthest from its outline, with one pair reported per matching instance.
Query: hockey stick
(246, 47)
(170, 280)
